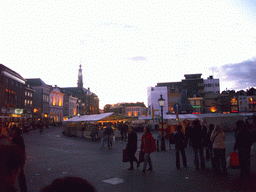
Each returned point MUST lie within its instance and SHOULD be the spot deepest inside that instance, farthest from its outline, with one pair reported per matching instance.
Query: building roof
(36, 82)
(4, 68)
(193, 76)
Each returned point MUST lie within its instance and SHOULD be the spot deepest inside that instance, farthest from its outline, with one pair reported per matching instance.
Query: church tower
(80, 77)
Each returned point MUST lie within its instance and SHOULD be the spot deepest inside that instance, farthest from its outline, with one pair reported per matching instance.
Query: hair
(218, 128)
(11, 159)
(239, 124)
(18, 131)
(211, 127)
(69, 184)
(179, 127)
(148, 128)
(196, 123)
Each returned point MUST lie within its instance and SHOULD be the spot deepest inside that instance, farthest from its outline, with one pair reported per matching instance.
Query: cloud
(242, 75)
(138, 58)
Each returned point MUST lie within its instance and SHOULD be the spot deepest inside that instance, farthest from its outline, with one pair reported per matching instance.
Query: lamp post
(161, 103)
(78, 106)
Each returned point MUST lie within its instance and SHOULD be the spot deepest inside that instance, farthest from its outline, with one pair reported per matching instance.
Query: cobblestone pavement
(53, 155)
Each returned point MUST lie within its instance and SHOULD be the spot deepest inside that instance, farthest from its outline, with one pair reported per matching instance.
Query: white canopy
(90, 118)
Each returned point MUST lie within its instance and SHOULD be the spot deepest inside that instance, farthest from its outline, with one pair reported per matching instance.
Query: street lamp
(78, 106)
(161, 103)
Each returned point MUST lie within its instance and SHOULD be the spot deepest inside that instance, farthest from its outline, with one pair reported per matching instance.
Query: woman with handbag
(132, 147)
(147, 146)
(219, 149)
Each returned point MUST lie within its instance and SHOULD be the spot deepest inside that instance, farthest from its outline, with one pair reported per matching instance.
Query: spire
(80, 77)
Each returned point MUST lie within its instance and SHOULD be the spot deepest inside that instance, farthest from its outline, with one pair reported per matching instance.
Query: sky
(126, 46)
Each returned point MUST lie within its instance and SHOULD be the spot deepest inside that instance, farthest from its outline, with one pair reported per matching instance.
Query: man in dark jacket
(243, 144)
(132, 147)
(11, 161)
(180, 144)
(18, 140)
(197, 143)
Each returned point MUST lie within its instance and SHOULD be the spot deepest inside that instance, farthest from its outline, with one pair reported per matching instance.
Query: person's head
(179, 128)
(16, 132)
(147, 129)
(218, 128)
(11, 159)
(69, 184)
(196, 124)
(239, 124)
(211, 127)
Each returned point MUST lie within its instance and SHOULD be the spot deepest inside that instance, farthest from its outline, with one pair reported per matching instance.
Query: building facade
(127, 109)
(41, 98)
(12, 92)
(70, 104)
(28, 102)
(56, 104)
(153, 94)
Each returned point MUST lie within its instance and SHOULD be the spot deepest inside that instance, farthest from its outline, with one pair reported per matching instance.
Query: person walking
(188, 131)
(148, 146)
(132, 147)
(18, 140)
(243, 144)
(125, 130)
(196, 139)
(219, 149)
(209, 151)
(180, 145)
(102, 136)
(109, 134)
(41, 127)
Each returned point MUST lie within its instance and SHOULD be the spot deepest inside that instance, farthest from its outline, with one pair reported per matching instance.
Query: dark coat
(244, 140)
(197, 137)
(132, 141)
(20, 142)
(180, 140)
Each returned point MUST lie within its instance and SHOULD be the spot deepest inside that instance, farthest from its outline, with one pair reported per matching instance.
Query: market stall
(82, 126)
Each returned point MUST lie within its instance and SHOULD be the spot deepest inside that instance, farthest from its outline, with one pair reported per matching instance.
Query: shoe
(144, 171)
(131, 168)
(149, 169)
(138, 164)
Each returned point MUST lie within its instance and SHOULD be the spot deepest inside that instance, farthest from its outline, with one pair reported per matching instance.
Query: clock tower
(80, 77)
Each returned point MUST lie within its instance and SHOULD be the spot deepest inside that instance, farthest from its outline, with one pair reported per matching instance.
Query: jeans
(22, 180)
(183, 155)
(131, 154)
(147, 160)
(221, 164)
(244, 160)
(196, 160)
(102, 143)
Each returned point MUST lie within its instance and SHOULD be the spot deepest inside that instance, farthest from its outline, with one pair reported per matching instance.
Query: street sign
(176, 107)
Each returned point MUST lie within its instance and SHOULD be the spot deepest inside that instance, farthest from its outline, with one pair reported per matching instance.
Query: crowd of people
(207, 142)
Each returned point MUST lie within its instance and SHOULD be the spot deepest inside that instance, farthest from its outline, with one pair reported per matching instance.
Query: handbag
(141, 156)
(234, 160)
(125, 155)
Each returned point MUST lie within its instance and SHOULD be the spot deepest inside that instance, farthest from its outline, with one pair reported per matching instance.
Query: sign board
(176, 107)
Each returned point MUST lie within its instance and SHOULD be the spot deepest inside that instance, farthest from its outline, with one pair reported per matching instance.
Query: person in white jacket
(219, 149)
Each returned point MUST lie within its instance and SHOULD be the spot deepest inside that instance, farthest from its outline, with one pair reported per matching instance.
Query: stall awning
(98, 117)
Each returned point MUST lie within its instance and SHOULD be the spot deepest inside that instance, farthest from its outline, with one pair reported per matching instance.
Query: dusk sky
(126, 46)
